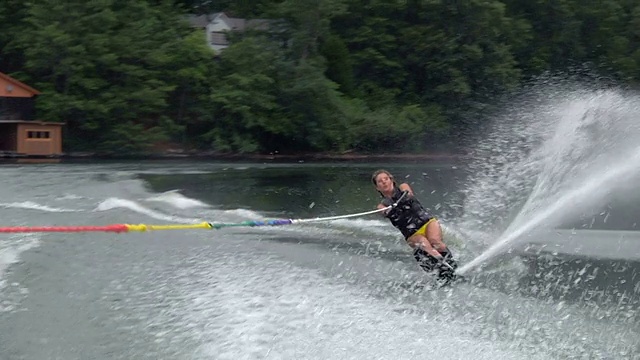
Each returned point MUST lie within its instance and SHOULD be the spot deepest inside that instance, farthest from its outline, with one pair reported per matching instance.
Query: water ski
(444, 269)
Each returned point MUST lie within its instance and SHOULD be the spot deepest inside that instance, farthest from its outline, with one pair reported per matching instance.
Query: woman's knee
(417, 241)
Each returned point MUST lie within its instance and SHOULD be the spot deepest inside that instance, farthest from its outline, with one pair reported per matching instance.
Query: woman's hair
(378, 172)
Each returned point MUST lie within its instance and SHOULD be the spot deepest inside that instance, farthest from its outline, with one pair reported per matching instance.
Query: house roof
(258, 24)
(236, 23)
(201, 21)
(19, 84)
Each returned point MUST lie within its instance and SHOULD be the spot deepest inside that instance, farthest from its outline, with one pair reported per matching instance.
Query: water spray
(540, 168)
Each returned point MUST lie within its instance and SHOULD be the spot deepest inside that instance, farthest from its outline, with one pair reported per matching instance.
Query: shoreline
(302, 157)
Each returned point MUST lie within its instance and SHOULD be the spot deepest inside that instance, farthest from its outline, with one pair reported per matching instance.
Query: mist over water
(555, 155)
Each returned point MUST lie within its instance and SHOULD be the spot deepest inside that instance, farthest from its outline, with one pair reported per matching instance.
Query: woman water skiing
(421, 230)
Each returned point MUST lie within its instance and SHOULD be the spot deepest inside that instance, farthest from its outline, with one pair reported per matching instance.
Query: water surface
(346, 289)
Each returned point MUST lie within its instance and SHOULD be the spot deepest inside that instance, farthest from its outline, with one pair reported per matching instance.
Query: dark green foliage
(245, 99)
(12, 16)
(104, 69)
(339, 68)
(328, 75)
(236, 8)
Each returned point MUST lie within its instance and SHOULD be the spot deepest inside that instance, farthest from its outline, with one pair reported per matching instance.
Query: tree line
(328, 75)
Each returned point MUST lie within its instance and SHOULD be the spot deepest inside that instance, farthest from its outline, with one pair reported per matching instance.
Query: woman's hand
(406, 187)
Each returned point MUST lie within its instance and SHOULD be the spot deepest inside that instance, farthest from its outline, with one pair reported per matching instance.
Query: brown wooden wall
(39, 139)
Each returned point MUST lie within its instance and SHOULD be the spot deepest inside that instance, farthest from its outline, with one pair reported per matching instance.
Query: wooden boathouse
(21, 135)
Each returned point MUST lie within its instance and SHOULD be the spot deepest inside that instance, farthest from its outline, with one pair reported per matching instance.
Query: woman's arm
(382, 206)
(406, 187)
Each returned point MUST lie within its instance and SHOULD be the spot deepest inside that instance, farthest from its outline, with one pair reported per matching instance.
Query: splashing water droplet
(541, 167)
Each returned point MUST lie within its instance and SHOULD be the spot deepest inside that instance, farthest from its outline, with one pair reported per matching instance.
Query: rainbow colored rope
(123, 228)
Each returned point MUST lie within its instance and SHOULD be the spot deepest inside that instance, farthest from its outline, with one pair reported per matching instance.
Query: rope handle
(404, 193)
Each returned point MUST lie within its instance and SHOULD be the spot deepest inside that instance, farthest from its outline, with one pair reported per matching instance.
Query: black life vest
(409, 215)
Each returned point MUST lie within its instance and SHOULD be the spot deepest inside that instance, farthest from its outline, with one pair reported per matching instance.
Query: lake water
(345, 289)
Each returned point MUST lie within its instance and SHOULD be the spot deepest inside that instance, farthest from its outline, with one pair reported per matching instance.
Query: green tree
(234, 8)
(391, 129)
(327, 75)
(556, 34)
(604, 35)
(12, 15)
(193, 72)
(310, 22)
(317, 109)
(633, 29)
(102, 67)
(246, 109)
(339, 68)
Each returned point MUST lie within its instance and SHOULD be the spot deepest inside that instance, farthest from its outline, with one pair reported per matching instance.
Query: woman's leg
(434, 234)
(419, 241)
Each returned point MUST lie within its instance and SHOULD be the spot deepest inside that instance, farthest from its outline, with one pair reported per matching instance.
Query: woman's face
(384, 182)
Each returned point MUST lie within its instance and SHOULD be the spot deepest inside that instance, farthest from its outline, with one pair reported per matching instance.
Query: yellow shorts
(423, 229)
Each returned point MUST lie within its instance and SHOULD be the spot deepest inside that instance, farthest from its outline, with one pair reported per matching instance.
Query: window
(219, 38)
(38, 134)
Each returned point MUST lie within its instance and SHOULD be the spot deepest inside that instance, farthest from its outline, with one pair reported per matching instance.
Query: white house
(217, 25)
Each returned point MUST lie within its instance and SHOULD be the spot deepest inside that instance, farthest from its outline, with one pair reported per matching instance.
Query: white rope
(298, 221)
(329, 218)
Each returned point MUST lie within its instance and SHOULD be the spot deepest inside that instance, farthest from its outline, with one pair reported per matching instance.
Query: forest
(129, 77)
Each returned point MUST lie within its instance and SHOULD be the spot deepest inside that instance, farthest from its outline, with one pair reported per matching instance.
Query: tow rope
(123, 228)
